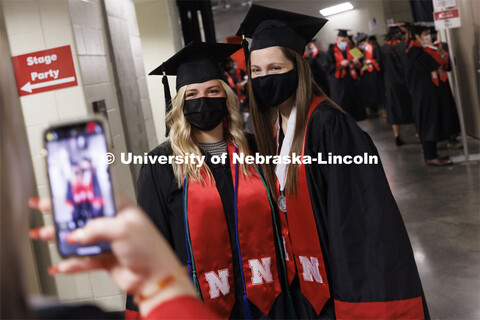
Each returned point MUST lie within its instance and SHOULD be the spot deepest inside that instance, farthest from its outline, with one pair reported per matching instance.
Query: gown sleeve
(331, 62)
(421, 60)
(152, 188)
(370, 259)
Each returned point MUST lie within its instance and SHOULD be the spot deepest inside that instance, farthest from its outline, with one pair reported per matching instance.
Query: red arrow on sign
(29, 87)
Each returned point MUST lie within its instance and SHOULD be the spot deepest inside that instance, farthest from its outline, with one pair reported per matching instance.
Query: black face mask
(205, 113)
(273, 89)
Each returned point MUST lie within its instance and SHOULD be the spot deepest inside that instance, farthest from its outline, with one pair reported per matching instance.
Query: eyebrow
(269, 65)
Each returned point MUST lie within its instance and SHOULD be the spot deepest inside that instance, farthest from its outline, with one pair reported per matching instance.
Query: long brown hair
(264, 120)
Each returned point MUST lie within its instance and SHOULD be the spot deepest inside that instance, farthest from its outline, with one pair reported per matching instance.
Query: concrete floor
(441, 209)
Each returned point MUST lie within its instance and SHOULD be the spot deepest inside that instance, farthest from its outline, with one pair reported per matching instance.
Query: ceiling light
(336, 9)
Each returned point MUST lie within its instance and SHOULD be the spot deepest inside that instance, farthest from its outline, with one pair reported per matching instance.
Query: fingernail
(70, 238)
(34, 233)
(33, 202)
(52, 270)
(74, 236)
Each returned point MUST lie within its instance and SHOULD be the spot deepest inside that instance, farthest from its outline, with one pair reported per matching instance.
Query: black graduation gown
(345, 91)
(160, 197)
(370, 82)
(398, 103)
(427, 113)
(317, 65)
(450, 120)
(367, 252)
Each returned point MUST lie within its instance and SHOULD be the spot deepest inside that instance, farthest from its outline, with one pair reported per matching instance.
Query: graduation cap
(270, 27)
(195, 63)
(342, 32)
(361, 37)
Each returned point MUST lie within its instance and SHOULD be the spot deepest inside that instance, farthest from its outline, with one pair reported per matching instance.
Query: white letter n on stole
(310, 269)
(261, 270)
(218, 283)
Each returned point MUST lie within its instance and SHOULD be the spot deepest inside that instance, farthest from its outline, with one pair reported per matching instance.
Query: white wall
(160, 37)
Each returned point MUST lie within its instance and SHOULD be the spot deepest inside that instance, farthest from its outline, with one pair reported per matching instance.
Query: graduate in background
(422, 79)
(348, 253)
(317, 60)
(447, 101)
(218, 217)
(372, 39)
(343, 70)
(369, 74)
(399, 103)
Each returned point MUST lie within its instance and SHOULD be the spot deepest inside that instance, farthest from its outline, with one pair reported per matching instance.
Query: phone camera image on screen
(79, 182)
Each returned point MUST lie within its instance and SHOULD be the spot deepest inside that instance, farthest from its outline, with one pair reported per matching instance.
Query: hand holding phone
(79, 179)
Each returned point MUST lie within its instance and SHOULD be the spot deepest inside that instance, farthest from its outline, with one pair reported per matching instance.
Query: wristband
(162, 284)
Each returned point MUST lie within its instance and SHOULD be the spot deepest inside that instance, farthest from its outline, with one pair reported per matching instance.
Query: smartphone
(79, 179)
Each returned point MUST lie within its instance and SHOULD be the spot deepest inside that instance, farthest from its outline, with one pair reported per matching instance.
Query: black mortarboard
(393, 30)
(342, 32)
(273, 27)
(195, 63)
(361, 37)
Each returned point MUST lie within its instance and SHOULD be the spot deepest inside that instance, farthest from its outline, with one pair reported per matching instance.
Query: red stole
(340, 71)
(435, 55)
(440, 73)
(442, 70)
(211, 247)
(369, 56)
(302, 244)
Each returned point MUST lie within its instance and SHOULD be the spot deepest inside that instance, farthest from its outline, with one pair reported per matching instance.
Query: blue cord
(190, 261)
(246, 306)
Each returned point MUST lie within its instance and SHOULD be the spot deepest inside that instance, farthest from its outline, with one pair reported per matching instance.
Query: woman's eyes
(272, 68)
(191, 94)
(214, 91)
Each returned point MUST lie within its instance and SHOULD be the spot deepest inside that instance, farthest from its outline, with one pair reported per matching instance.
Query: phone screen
(80, 182)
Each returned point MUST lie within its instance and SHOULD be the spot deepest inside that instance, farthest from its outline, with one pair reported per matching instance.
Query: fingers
(41, 204)
(96, 230)
(43, 233)
(74, 265)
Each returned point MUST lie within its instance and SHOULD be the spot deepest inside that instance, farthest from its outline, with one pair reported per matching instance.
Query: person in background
(134, 269)
(349, 256)
(343, 70)
(317, 60)
(372, 39)
(230, 77)
(422, 79)
(369, 74)
(398, 101)
(447, 101)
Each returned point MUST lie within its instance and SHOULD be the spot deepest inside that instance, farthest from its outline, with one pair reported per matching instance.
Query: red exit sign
(44, 70)
(448, 14)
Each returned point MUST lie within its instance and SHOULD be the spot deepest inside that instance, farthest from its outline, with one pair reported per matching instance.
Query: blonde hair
(183, 141)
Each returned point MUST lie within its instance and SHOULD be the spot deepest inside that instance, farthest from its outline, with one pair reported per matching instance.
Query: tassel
(168, 99)
(245, 49)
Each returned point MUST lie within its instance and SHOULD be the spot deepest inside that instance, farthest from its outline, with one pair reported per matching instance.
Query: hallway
(440, 207)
